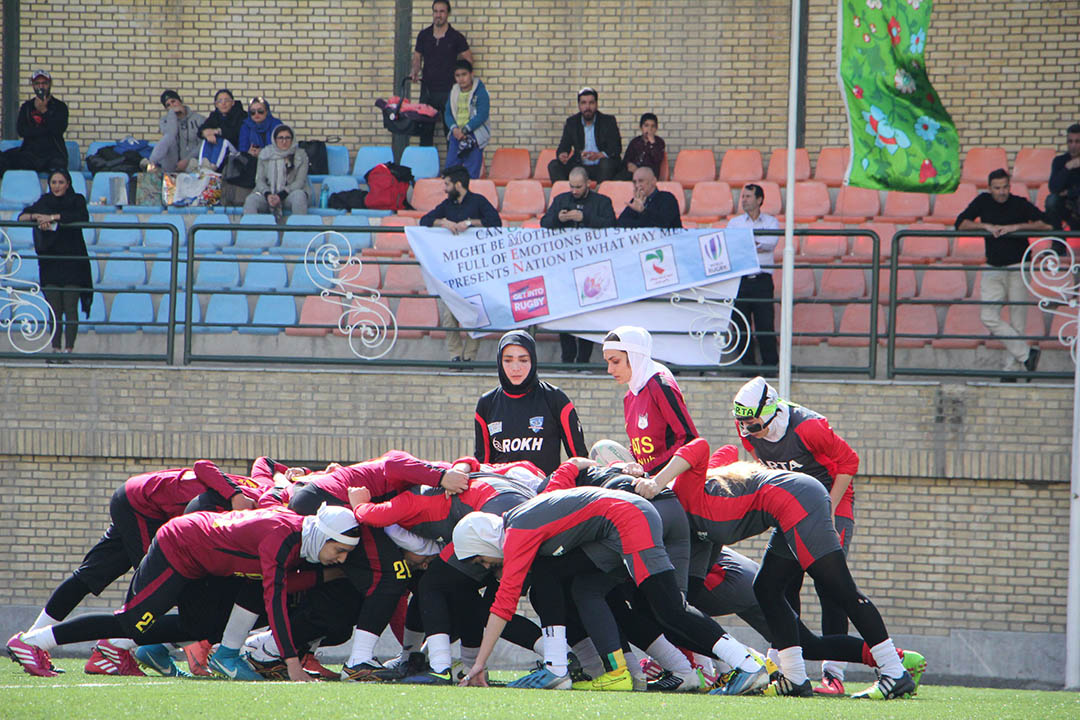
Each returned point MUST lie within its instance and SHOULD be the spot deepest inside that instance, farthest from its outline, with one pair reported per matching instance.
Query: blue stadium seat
(18, 189)
(217, 275)
(340, 183)
(368, 156)
(188, 210)
(262, 275)
(271, 310)
(357, 241)
(295, 242)
(26, 271)
(159, 241)
(208, 241)
(253, 242)
(32, 317)
(337, 159)
(21, 237)
(74, 158)
(160, 271)
(113, 239)
(181, 313)
(301, 282)
(100, 187)
(78, 184)
(423, 161)
(130, 311)
(123, 270)
(97, 314)
(9, 144)
(226, 313)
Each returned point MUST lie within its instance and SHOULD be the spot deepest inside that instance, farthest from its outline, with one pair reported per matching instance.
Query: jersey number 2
(401, 570)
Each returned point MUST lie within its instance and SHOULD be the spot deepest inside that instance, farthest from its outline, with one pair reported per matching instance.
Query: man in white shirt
(756, 291)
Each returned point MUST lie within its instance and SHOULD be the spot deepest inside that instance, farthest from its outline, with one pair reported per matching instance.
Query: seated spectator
(590, 139)
(999, 214)
(281, 180)
(65, 277)
(179, 143)
(1063, 202)
(256, 131)
(460, 211)
(223, 126)
(650, 207)
(467, 114)
(41, 123)
(646, 150)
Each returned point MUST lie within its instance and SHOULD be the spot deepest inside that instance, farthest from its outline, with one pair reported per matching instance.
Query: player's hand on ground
(454, 482)
(581, 463)
(332, 467)
(296, 672)
(477, 677)
(358, 496)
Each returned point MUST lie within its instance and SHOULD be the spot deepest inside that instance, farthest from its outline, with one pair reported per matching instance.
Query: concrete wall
(961, 498)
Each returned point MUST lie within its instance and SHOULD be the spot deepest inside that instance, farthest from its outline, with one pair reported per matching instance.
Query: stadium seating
(842, 283)
(980, 162)
(620, 192)
(422, 312)
(129, 312)
(405, 279)
(741, 166)
(822, 248)
(557, 188)
(265, 274)
(426, 194)
(1052, 342)
(487, 189)
(221, 274)
(904, 208)
(295, 242)
(20, 237)
(969, 250)
(124, 270)
(367, 157)
(158, 241)
(392, 244)
(95, 146)
(961, 320)
(225, 313)
(101, 188)
(160, 270)
(540, 172)
(18, 189)
(116, 239)
(74, 156)
(905, 285)
(811, 323)
(694, 166)
(316, 311)
(78, 184)
(509, 164)
(773, 203)
(918, 249)
(337, 160)
(778, 166)
(946, 284)
(300, 280)
(208, 241)
(855, 205)
(340, 183)
(854, 329)
(811, 201)
(96, 318)
(423, 161)
(673, 187)
(917, 320)
(162, 316)
(1032, 165)
(832, 165)
(709, 202)
(804, 282)
(357, 240)
(362, 278)
(271, 310)
(522, 200)
(948, 205)
(665, 168)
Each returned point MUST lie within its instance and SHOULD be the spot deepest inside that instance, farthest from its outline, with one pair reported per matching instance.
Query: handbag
(148, 188)
(240, 170)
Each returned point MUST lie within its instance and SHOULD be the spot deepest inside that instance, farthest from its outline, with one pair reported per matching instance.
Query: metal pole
(1072, 603)
(787, 292)
(402, 62)
(11, 68)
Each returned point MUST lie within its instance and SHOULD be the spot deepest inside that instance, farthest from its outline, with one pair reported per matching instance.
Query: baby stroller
(402, 117)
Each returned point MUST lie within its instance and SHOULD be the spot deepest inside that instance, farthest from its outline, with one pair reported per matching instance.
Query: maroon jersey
(164, 494)
(554, 523)
(809, 446)
(385, 477)
(657, 422)
(250, 543)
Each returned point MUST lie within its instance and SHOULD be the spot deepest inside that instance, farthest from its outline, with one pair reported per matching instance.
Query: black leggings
(65, 306)
(831, 574)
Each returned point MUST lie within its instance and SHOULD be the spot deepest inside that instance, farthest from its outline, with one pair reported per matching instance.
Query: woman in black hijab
(63, 265)
(525, 418)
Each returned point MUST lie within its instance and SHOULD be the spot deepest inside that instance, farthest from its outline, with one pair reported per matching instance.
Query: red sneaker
(830, 686)
(197, 654)
(34, 660)
(314, 667)
(123, 660)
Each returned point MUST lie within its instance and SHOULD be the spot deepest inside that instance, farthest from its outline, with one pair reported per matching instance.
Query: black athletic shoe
(1032, 361)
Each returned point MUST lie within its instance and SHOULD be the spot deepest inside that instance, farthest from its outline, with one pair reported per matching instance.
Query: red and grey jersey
(528, 427)
(552, 524)
(251, 543)
(657, 422)
(385, 476)
(164, 494)
(810, 446)
(727, 512)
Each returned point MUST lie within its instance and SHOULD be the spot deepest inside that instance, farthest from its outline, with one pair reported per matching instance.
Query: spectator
(223, 126)
(256, 131)
(760, 316)
(460, 211)
(467, 117)
(281, 180)
(438, 46)
(646, 150)
(179, 143)
(650, 207)
(65, 277)
(589, 138)
(1000, 213)
(581, 207)
(1063, 202)
(41, 124)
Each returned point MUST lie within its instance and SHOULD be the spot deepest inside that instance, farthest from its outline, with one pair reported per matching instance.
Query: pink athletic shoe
(34, 660)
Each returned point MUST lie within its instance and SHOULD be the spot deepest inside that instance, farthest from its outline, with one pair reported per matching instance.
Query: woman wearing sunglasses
(257, 130)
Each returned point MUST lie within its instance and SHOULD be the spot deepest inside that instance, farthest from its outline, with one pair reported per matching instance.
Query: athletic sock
(555, 648)
(468, 656)
(735, 654)
(42, 638)
(835, 668)
(670, 657)
(411, 642)
(774, 655)
(887, 660)
(43, 620)
(438, 652)
(123, 643)
(363, 647)
(792, 665)
(614, 660)
(241, 621)
(588, 657)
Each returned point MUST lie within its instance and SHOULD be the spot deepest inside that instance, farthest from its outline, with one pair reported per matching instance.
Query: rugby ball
(607, 452)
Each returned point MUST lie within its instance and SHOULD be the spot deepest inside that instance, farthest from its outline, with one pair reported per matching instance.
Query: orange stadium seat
(710, 201)
(923, 249)
(778, 166)
(832, 165)
(665, 168)
(676, 189)
(487, 189)
(773, 202)
(855, 321)
(961, 320)
(1033, 165)
(1052, 343)
(822, 248)
(905, 285)
(1021, 189)
(904, 208)
(392, 244)
(918, 320)
(855, 205)
(968, 250)
(841, 283)
(694, 166)
(558, 188)
(522, 199)
(404, 279)
(980, 162)
(948, 205)
(619, 191)
(1034, 326)
(862, 248)
(811, 201)
(427, 193)
(1040, 196)
(540, 172)
(804, 282)
(815, 319)
(509, 164)
(949, 283)
(417, 312)
(355, 279)
(316, 310)
(741, 166)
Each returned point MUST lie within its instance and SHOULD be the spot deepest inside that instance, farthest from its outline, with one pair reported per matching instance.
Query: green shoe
(915, 664)
(887, 688)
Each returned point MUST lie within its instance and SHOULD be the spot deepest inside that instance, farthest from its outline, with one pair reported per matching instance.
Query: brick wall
(716, 73)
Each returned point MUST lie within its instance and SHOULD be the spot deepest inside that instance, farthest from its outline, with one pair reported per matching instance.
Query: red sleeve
(300, 581)
(483, 437)
(669, 399)
(210, 476)
(724, 456)
(279, 551)
(518, 553)
(264, 468)
(564, 477)
(473, 463)
(273, 497)
(828, 448)
(573, 436)
(407, 509)
(402, 470)
(690, 483)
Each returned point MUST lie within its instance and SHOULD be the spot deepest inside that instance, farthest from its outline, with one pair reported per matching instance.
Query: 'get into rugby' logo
(528, 298)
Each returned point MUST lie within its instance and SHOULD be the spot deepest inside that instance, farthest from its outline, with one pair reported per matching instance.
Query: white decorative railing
(720, 329)
(1052, 274)
(24, 315)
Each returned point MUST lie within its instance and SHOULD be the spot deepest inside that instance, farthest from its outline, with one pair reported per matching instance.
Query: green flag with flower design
(902, 138)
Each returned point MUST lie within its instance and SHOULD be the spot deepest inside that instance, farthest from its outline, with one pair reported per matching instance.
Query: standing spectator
(179, 143)
(755, 296)
(438, 46)
(281, 180)
(41, 124)
(1000, 213)
(223, 126)
(65, 277)
(1063, 202)
(646, 150)
(650, 207)
(581, 207)
(589, 138)
(460, 211)
(467, 115)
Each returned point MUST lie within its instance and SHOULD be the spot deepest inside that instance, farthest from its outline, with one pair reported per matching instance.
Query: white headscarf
(636, 342)
(329, 523)
(749, 395)
(478, 533)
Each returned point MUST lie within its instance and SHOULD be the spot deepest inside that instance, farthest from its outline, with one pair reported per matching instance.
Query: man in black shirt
(438, 46)
(1063, 202)
(999, 213)
(590, 139)
(41, 123)
(650, 207)
(460, 211)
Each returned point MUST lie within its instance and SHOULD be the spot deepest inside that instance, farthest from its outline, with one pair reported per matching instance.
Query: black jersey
(528, 427)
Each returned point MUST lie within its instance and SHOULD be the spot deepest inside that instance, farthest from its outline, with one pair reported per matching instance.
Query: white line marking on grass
(159, 683)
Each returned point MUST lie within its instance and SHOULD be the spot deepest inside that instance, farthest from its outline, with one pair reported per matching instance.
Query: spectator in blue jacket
(257, 130)
(467, 113)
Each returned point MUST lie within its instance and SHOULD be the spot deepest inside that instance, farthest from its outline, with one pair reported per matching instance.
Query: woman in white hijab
(657, 421)
(281, 178)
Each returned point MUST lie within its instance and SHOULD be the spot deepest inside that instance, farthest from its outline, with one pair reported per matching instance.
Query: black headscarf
(525, 340)
(74, 267)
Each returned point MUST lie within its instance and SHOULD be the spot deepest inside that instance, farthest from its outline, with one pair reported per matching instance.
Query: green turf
(75, 695)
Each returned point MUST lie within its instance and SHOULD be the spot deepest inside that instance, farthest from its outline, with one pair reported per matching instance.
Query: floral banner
(902, 138)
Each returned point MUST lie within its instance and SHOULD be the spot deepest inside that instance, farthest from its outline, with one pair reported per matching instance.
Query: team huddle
(624, 556)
